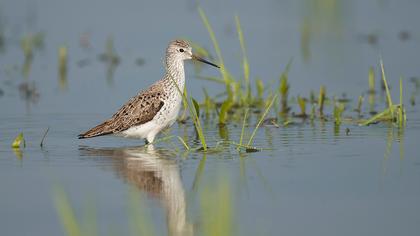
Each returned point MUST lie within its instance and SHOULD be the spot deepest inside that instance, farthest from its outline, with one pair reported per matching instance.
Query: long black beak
(197, 58)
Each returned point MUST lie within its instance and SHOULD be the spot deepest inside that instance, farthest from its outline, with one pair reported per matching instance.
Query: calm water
(311, 178)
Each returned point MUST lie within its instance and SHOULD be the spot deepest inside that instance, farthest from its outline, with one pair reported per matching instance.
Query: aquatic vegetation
(360, 100)
(284, 89)
(243, 128)
(302, 105)
(394, 113)
(223, 70)
(183, 143)
(224, 109)
(267, 109)
(195, 113)
(321, 100)
(338, 112)
(371, 81)
(245, 64)
(19, 141)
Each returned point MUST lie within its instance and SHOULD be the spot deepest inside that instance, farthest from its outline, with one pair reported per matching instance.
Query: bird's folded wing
(138, 110)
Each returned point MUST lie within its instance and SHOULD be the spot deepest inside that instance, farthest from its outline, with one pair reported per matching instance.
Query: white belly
(140, 131)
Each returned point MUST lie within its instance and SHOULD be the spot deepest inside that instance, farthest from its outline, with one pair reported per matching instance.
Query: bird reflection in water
(155, 172)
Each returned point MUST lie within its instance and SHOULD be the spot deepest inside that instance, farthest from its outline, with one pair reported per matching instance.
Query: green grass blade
(245, 63)
(375, 118)
(196, 107)
(388, 94)
(261, 120)
(183, 143)
(243, 126)
(216, 46)
(371, 80)
(195, 118)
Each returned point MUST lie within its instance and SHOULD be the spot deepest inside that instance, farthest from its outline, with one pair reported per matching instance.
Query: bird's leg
(146, 141)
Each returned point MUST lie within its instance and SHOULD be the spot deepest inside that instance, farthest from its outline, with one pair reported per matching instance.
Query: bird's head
(181, 50)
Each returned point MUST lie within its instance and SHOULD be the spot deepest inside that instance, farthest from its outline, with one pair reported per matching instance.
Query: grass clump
(394, 113)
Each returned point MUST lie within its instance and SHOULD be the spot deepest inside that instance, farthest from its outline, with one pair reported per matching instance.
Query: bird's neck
(175, 73)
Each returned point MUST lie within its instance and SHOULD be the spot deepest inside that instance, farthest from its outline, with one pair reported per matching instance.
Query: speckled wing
(138, 110)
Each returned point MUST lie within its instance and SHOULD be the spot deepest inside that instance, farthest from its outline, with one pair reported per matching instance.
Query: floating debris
(252, 149)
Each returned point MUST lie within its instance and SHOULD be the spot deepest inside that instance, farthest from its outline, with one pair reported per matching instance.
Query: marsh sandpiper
(155, 108)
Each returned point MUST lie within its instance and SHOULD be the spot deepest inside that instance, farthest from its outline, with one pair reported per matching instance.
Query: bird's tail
(99, 130)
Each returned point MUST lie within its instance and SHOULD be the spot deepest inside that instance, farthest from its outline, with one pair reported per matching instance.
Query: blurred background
(331, 42)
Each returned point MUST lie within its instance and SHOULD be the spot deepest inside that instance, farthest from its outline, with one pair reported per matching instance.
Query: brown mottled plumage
(138, 110)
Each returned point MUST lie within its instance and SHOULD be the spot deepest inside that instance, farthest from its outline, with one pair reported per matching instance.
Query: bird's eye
(181, 50)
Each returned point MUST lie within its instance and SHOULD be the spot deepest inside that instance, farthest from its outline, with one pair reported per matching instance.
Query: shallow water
(310, 178)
